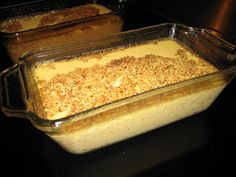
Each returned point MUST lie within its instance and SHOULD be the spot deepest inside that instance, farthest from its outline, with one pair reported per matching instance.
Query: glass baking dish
(39, 24)
(128, 117)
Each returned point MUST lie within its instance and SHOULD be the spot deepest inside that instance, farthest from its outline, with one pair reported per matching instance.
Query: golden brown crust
(68, 14)
(53, 17)
(86, 88)
(10, 26)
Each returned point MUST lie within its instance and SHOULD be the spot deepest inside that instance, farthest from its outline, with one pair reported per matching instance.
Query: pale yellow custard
(93, 80)
(164, 48)
(70, 86)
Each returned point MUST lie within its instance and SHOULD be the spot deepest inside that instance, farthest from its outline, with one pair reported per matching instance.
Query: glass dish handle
(13, 93)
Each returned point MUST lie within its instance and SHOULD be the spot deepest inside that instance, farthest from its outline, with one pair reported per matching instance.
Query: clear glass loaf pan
(110, 123)
(18, 42)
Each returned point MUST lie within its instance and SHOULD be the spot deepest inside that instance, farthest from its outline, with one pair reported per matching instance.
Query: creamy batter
(165, 48)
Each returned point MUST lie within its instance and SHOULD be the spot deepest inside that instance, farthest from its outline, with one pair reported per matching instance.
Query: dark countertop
(198, 145)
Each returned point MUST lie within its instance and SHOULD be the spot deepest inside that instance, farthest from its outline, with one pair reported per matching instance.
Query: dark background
(203, 144)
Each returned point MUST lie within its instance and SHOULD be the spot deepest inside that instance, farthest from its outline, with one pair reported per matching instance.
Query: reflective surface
(196, 146)
(217, 15)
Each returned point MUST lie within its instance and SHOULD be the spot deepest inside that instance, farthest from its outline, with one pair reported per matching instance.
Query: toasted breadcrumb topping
(53, 17)
(86, 88)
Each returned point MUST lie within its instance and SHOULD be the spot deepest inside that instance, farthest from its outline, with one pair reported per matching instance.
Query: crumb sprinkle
(86, 88)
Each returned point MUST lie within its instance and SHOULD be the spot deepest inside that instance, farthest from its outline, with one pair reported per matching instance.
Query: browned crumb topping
(53, 17)
(86, 88)
(69, 14)
(10, 26)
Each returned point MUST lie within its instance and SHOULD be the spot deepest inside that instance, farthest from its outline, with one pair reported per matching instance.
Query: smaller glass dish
(128, 117)
(33, 25)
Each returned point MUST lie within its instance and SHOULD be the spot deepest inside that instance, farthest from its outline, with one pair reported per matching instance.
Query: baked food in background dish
(58, 27)
(52, 17)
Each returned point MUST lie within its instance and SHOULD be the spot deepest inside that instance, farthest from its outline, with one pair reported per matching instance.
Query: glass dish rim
(55, 125)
